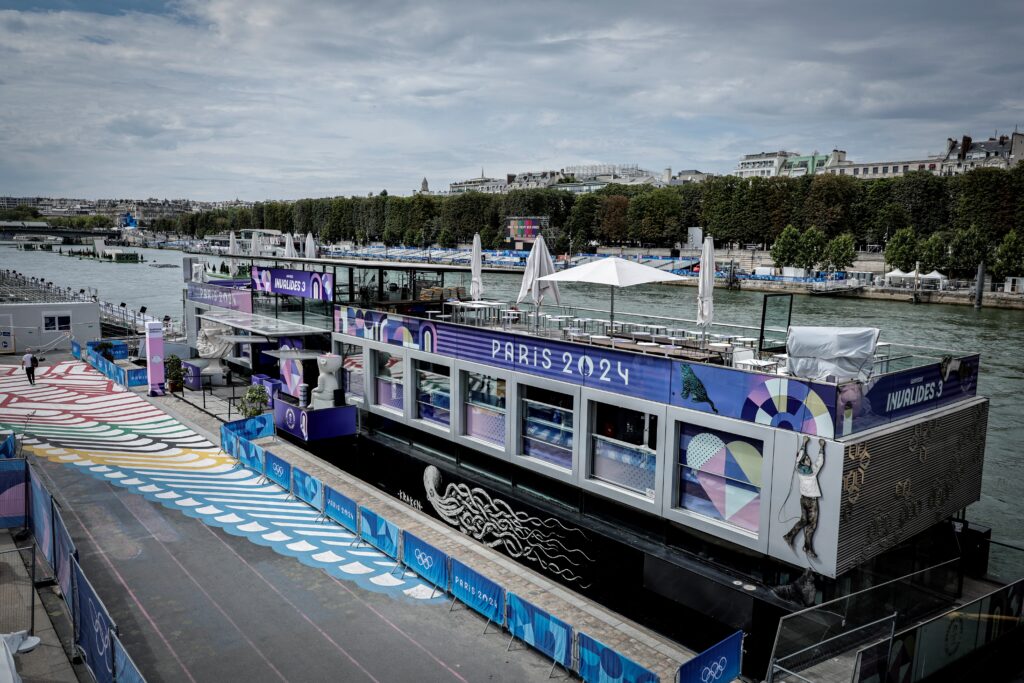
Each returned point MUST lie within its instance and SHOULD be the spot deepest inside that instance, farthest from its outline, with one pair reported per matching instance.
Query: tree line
(970, 215)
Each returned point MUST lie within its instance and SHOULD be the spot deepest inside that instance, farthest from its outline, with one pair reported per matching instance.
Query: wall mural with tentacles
(551, 545)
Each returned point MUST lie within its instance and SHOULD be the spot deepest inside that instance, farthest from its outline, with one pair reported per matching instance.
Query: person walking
(30, 363)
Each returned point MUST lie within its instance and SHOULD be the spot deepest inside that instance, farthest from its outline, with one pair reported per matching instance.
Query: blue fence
(308, 488)
(95, 633)
(540, 630)
(426, 560)
(378, 532)
(341, 509)
(277, 470)
(478, 592)
(598, 663)
(8, 447)
(720, 662)
(13, 492)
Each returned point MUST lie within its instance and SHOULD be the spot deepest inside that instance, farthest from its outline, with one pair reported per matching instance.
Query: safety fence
(8, 447)
(126, 377)
(573, 650)
(56, 559)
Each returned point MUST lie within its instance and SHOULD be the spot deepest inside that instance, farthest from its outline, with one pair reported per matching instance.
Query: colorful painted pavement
(75, 416)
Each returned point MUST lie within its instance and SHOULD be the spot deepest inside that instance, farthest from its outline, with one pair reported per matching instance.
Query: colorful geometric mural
(789, 404)
(720, 475)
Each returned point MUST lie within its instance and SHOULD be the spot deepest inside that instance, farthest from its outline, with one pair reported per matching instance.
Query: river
(995, 333)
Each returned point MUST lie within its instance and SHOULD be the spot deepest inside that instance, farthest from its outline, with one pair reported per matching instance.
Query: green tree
(654, 217)
(786, 249)
(967, 249)
(612, 227)
(831, 202)
(582, 221)
(1009, 257)
(890, 219)
(933, 252)
(811, 248)
(841, 252)
(901, 249)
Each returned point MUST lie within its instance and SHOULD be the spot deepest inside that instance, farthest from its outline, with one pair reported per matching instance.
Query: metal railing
(17, 589)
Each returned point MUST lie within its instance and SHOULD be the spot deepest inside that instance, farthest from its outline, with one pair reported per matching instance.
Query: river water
(994, 333)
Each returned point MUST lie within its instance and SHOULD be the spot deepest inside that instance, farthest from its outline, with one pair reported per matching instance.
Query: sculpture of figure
(807, 472)
(211, 345)
(323, 396)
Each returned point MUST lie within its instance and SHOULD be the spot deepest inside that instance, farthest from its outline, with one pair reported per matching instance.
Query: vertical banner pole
(155, 358)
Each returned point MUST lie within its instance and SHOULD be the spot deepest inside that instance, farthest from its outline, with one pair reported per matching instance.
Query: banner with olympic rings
(93, 628)
(426, 560)
(720, 663)
(598, 663)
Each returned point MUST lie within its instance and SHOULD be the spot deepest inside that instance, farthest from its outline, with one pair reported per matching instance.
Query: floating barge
(696, 487)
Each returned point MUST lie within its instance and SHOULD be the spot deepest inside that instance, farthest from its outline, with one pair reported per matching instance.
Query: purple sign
(218, 295)
(900, 394)
(301, 283)
(313, 425)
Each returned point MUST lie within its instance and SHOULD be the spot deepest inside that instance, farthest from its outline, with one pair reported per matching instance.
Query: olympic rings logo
(714, 670)
(425, 561)
(102, 635)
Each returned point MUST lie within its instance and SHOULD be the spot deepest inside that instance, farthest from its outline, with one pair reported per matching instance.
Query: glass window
(906, 168)
(389, 370)
(885, 169)
(874, 170)
(433, 392)
(485, 408)
(547, 426)
(624, 444)
(720, 475)
(856, 171)
(352, 376)
(56, 322)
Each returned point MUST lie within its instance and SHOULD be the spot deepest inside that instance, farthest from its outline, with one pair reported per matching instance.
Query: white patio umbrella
(310, 246)
(539, 264)
(232, 250)
(706, 286)
(614, 272)
(289, 246)
(476, 265)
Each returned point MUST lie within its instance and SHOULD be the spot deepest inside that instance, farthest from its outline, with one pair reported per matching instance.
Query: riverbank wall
(959, 297)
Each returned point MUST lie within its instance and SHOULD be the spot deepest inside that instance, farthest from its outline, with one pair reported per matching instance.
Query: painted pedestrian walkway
(198, 605)
(75, 416)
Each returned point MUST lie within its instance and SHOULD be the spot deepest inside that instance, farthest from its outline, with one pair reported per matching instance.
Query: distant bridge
(9, 229)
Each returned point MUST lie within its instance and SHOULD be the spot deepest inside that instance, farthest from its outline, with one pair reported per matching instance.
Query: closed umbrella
(232, 250)
(476, 264)
(289, 246)
(310, 246)
(539, 265)
(706, 286)
(614, 272)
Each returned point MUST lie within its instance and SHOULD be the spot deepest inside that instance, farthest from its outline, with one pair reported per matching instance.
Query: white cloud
(259, 98)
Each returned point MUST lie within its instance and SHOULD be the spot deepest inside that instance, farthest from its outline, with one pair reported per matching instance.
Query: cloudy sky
(265, 99)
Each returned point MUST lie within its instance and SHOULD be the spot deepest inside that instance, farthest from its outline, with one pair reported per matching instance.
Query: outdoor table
(746, 341)
(758, 365)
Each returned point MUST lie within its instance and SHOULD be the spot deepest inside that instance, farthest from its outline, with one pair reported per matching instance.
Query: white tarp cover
(538, 265)
(9, 643)
(844, 353)
(706, 285)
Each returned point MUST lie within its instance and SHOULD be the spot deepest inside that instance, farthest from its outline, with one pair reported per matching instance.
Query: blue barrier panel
(254, 427)
(228, 441)
(308, 488)
(249, 455)
(93, 628)
(426, 560)
(600, 664)
(341, 509)
(8, 447)
(137, 377)
(13, 492)
(277, 470)
(41, 510)
(478, 592)
(540, 630)
(63, 552)
(76, 350)
(125, 670)
(378, 532)
(719, 662)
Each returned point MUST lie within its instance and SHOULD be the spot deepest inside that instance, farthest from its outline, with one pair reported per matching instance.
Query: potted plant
(175, 373)
(105, 349)
(254, 401)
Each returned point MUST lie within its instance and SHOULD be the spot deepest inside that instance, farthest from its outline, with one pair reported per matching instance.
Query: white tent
(310, 246)
(614, 272)
(934, 275)
(706, 285)
(289, 246)
(895, 273)
(539, 265)
(476, 264)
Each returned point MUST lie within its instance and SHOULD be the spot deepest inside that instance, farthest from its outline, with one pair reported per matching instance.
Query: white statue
(323, 396)
(211, 345)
